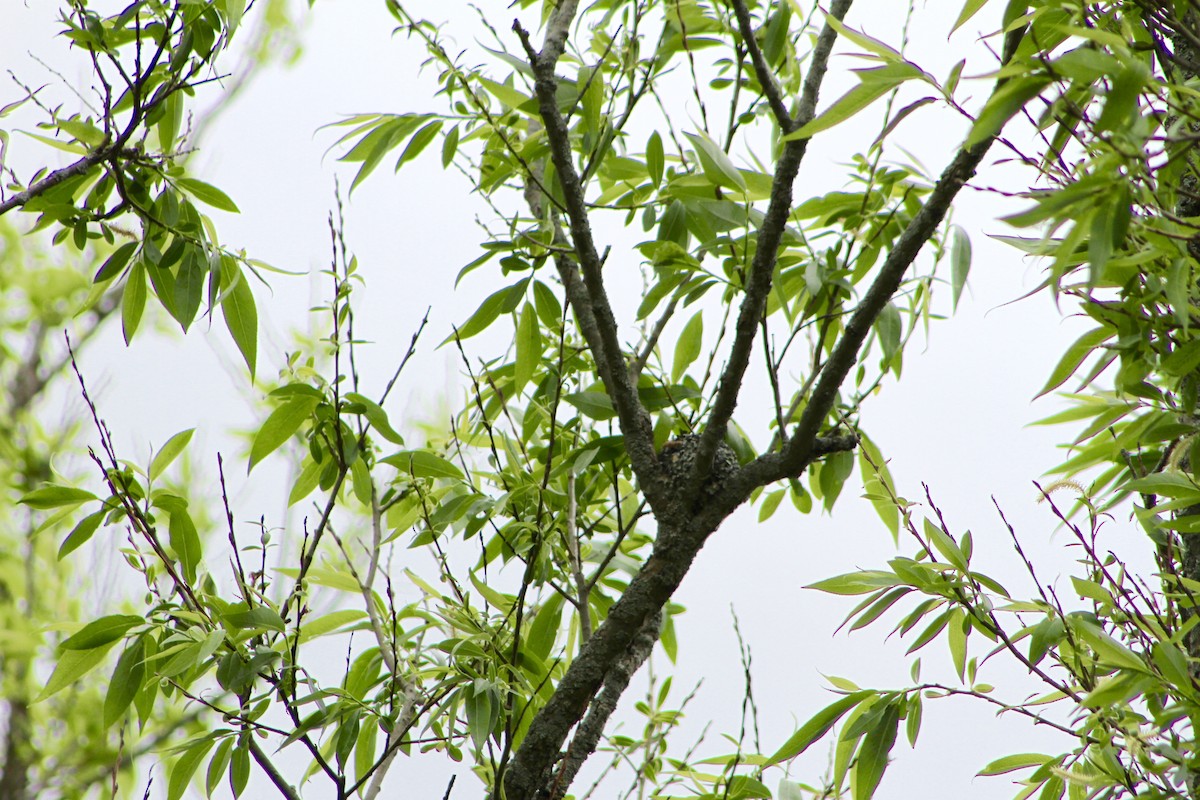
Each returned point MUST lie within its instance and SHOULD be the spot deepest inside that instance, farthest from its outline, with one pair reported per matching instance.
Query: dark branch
(758, 286)
(615, 683)
(587, 293)
(766, 78)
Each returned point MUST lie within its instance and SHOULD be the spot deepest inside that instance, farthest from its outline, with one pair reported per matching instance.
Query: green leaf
(424, 464)
(220, 759)
(816, 727)
(688, 346)
(280, 426)
(126, 681)
(1014, 762)
(419, 141)
(856, 582)
(115, 263)
(169, 452)
(544, 629)
(873, 753)
(308, 479)
(82, 531)
(100, 632)
(133, 300)
(770, 504)
(257, 618)
(56, 497)
(890, 328)
(594, 404)
(875, 83)
(1074, 356)
(209, 195)
(237, 307)
(189, 287)
(655, 158)
(960, 261)
(72, 665)
(968, 10)
(184, 767)
(716, 164)
(1004, 103)
(328, 623)
(944, 544)
(239, 766)
(185, 541)
(529, 346)
(375, 415)
(497, 302)
(449, 146)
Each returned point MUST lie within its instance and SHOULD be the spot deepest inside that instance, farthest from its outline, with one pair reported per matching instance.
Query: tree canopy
(673, 323)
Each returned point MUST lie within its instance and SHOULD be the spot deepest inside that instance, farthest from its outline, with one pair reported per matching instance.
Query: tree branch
(766, 78)
(797, 453)
(770, 234)
(615, 683)
(588, 296)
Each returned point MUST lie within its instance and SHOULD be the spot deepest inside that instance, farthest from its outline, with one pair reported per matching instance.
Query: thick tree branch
(615, 683)
(770, 235)
(588, 296)
(530, 771)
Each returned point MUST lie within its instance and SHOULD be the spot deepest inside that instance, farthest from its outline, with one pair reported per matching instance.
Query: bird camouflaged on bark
(679, 456)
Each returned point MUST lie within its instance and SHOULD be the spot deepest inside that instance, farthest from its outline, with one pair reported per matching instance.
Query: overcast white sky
(956, 421)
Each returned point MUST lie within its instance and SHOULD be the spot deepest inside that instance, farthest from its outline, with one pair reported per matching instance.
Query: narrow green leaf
(82, 531)
(237, 307)
(423, 464)
(257, 618)
(184, 767)
(1015, 762)
(655, 158)
(280, 426)
(816, 727)
(449, 146)
(126, 681)
(207, 194)
(169, 452)
(873, 753)
(594, 404)
(1004, 103)
(115, 263)
(688, 347)
(220, 759)
(133, 300)
(72, 665)
(185, 541)
(419, 141)
(375, 415)
(100, 632)
(968, 10)
(1074, 356)
(529, 346)
(852, 102)
(716, 164)
(239, 766)
(960, 261)
(56, 497)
